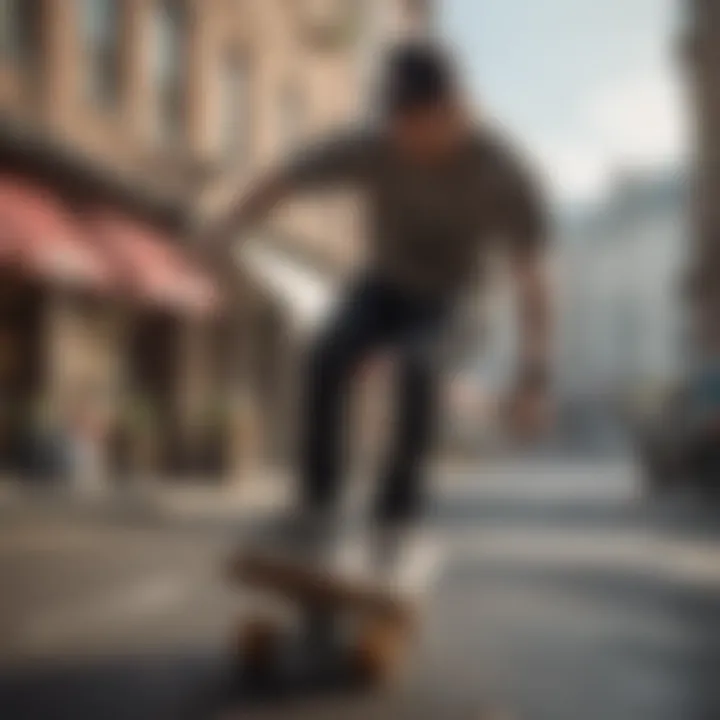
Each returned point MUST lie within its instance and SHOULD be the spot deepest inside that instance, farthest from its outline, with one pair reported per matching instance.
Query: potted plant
(142, 432)
(215, 424)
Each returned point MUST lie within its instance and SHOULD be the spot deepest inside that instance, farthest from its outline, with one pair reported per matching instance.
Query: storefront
(168, 312)
(101, 324)
(49, 272)
(20, 371)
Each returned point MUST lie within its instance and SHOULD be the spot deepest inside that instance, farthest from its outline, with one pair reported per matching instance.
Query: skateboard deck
(382, 603)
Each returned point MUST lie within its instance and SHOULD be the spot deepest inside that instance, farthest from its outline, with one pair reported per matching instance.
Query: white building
(618, 272)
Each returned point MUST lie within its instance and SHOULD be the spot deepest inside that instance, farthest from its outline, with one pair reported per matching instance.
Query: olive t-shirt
(432, 229)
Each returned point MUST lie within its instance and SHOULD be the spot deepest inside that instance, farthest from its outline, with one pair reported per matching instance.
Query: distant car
(678, 441)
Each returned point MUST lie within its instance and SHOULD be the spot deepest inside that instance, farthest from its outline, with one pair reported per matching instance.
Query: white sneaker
(405, 558)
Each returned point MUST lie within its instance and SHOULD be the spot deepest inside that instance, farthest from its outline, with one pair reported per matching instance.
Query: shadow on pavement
(154, 687)
(655, 644)
(187, 686)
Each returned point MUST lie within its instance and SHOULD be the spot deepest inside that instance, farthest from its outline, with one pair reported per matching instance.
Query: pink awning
(152, 266)
(38, 236)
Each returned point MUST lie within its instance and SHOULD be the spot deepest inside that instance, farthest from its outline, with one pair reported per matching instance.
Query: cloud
(637, 122)
(640, 120)
(576, 172)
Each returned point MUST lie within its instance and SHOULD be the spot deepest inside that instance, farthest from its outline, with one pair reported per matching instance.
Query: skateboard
(359, 615)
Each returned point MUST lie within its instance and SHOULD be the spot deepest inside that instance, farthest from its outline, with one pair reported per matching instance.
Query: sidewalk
(187, 499)
(167, 499)
(159, 499)
(265, 490)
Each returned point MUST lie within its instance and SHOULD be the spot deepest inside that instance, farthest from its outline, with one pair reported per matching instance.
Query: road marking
(535, 487)
(683, 561)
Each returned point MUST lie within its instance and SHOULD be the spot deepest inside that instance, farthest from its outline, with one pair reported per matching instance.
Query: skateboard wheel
(258, 645)
(377, 654)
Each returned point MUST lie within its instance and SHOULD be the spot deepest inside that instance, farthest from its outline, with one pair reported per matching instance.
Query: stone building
(701, 59)
(123, 125)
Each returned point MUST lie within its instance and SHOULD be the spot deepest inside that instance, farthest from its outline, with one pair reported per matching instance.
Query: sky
(591, 88)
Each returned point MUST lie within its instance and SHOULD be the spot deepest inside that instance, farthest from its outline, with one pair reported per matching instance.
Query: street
(565, 596)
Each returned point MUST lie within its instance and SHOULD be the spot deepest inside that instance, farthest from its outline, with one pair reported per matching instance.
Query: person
(442, 195)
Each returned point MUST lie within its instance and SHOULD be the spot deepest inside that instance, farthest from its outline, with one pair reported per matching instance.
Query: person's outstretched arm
(337, 162)
(247, 211)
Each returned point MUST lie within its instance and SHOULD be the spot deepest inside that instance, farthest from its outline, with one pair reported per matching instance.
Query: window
(419, 14)
(101, 32)
(169, 71)
(235, 115)
(369, 55)
(20, 32)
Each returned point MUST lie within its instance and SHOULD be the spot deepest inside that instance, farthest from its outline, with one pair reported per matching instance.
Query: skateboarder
(442, 195)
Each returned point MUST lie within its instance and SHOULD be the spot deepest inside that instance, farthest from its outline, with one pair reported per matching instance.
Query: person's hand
(529, 413)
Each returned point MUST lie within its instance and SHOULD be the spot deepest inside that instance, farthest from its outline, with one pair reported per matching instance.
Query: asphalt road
(564, 597)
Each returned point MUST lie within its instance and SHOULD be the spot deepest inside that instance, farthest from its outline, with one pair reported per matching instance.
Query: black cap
(417, 75)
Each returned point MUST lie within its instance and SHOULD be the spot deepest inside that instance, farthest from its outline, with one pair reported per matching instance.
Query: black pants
(374, 315)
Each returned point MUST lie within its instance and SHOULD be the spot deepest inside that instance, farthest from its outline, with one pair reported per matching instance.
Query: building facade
(700, 56)
(124, 124)
(618, 271)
